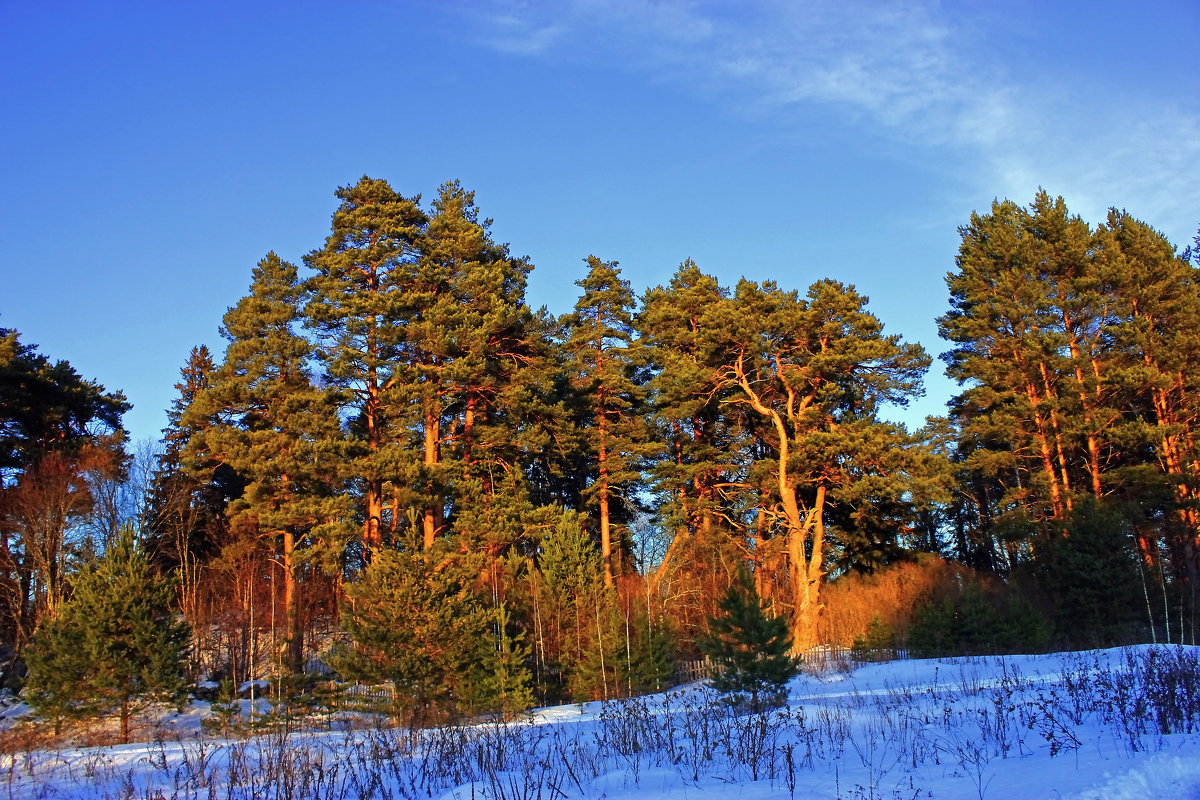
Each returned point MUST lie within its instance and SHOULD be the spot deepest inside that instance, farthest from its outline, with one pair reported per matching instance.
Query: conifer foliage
(420, 626)
(117, 643)
(750, 648)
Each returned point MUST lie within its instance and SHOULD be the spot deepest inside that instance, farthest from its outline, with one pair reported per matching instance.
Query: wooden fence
(689, 671)
(358, 696)
(824, 656)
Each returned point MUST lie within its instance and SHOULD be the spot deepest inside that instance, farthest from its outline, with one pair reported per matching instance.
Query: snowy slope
(1111, 725)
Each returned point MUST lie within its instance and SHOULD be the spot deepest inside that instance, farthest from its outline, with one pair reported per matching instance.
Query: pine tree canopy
(47, 405)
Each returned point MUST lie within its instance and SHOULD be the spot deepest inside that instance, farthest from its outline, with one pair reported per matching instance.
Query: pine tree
(749, 647)
(1156, 300)
(605, 373)
(46, 405)
(359, 307)
(698, 437)
(1028, 323)
(277, 431)
(116, 643)
(815, 372)
(423, 320)
(472, 350)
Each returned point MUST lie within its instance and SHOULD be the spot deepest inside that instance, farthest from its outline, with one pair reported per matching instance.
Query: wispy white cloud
(914, 74)
(1145, 159)
(512, 33)
(895, 64)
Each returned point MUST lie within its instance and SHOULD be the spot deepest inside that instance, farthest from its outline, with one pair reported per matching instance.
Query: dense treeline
(399, 468)
(1075, 458)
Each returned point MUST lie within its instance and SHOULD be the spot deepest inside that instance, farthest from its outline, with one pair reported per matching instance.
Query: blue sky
(153, 152)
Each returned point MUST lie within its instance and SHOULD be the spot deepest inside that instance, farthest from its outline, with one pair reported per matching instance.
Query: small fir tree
(226, 709)
(116, 642)
(749, 647)
(1090, 577)
(506, 685)
(56, 662)
(595, 671)
(649, 658)
(623, 656)
(975, 621)
(419, 625)
(878, 637)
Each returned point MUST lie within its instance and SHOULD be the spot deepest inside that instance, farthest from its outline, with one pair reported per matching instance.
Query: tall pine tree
(817, 370)
(472, 353)
(605, 372)
(699, 441)
(359, 307)
(278, 432)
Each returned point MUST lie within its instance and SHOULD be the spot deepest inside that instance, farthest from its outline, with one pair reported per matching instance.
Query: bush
(976, 622)
(854, 602)
(879, 637)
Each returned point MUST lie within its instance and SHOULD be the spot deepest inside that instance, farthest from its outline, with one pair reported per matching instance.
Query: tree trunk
(431, 518)
(293, 639)
(372, 525)
(1089, 404)
(602, 495)
(762, 585)
(468, 432)
(806, 572)
(804, 568)
(1045, 454)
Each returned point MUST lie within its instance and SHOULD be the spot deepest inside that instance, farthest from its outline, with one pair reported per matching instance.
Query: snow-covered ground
(1108, 725)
